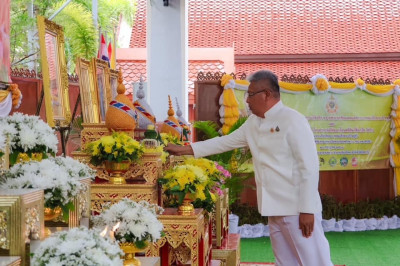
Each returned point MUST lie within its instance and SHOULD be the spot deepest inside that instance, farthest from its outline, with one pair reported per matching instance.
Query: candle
(84, 222)
(34, 241)
(34, 244)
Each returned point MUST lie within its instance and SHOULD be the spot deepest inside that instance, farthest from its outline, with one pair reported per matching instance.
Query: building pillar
(167, 50)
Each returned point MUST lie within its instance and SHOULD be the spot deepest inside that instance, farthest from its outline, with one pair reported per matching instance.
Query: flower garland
(320, 84)
(229, 105)
(60, 186)
(137, 221)
(28, 134)
(77, 246)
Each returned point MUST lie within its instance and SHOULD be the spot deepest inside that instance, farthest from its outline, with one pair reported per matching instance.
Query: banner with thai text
(5, 41)
(351, 130)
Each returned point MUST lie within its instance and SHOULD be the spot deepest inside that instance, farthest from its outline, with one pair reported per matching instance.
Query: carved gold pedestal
(181, 231)
(102, 193)
(220, 219)
(21, 214)
(229, 252)
(148, 170)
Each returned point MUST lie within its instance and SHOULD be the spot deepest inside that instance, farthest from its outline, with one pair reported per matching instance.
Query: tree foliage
(81, 36)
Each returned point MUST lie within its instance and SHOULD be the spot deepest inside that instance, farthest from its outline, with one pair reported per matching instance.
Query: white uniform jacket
(285, 160)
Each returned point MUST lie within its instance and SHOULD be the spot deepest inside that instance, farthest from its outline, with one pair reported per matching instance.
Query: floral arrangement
(137, 221)
(28, 134)
(60, 186)
(115, 148)
(77, 246)
(158, 149)
(214, 171)
(2, 144)
(222, 177)
(169, 138)
(74, 168)
(192, 180)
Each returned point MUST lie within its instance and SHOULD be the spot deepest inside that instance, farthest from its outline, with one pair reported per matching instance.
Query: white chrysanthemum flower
(74, 168)
(59, 188)
(27, 133)
(138, 220)
(2, 142)
(78, 246)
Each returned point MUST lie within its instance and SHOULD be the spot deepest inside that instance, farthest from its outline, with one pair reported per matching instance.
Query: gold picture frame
(88, 94)
(113, 83)
(54, 70)
(101, 77)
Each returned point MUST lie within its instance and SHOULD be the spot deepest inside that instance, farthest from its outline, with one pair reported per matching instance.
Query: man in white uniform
(286, 172)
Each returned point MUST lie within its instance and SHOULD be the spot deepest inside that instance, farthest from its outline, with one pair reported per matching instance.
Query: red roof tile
(202, 66)
(379, 70)
(288, 27)
(133, 70)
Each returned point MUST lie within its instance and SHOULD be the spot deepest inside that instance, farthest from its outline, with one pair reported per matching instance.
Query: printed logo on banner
(332, 105)
(332, 161)
(344, 161)
(321, 161)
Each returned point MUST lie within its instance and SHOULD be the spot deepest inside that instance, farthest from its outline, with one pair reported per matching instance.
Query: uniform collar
(273, 110)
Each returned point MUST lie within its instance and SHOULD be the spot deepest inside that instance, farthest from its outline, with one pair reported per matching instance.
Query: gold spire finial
(121, 87)
(171, 111)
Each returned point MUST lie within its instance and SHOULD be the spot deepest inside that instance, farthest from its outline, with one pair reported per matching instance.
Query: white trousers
(291, 248)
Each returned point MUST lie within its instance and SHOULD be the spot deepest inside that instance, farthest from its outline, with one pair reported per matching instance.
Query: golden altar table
(103, 193)
(192, 231)
(21, 216)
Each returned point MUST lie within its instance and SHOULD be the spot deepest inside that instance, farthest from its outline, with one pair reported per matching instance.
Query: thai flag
(103, 53)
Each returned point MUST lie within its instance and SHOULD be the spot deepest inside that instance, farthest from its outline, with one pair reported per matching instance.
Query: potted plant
(29, 136)
(134, 224)
(117, 152)
(77, 246)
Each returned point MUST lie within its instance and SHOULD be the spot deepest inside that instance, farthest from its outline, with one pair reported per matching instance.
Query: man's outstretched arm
(178, 150)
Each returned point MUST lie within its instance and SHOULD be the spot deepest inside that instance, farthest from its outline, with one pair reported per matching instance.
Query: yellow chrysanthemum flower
(213, 197)
(107, 141)
(108, 149)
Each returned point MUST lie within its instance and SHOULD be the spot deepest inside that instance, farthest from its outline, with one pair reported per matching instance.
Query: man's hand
(178, 150)
(306, 224)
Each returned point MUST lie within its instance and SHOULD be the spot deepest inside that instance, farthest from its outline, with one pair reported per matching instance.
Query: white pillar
(167, 50)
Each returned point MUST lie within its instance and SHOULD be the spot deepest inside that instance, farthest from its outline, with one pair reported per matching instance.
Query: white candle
(112, 235)
(84, 222)
(34, 244)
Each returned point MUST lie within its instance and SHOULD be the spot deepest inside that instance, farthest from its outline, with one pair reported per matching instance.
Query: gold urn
(130, 249)
(117, 171)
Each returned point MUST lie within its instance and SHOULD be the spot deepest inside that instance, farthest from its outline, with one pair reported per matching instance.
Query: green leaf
(209, 128)
(237, 124)
(13, 157)
(66, 208)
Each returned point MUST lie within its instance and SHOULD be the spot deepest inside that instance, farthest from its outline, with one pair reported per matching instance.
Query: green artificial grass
(368, 248)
